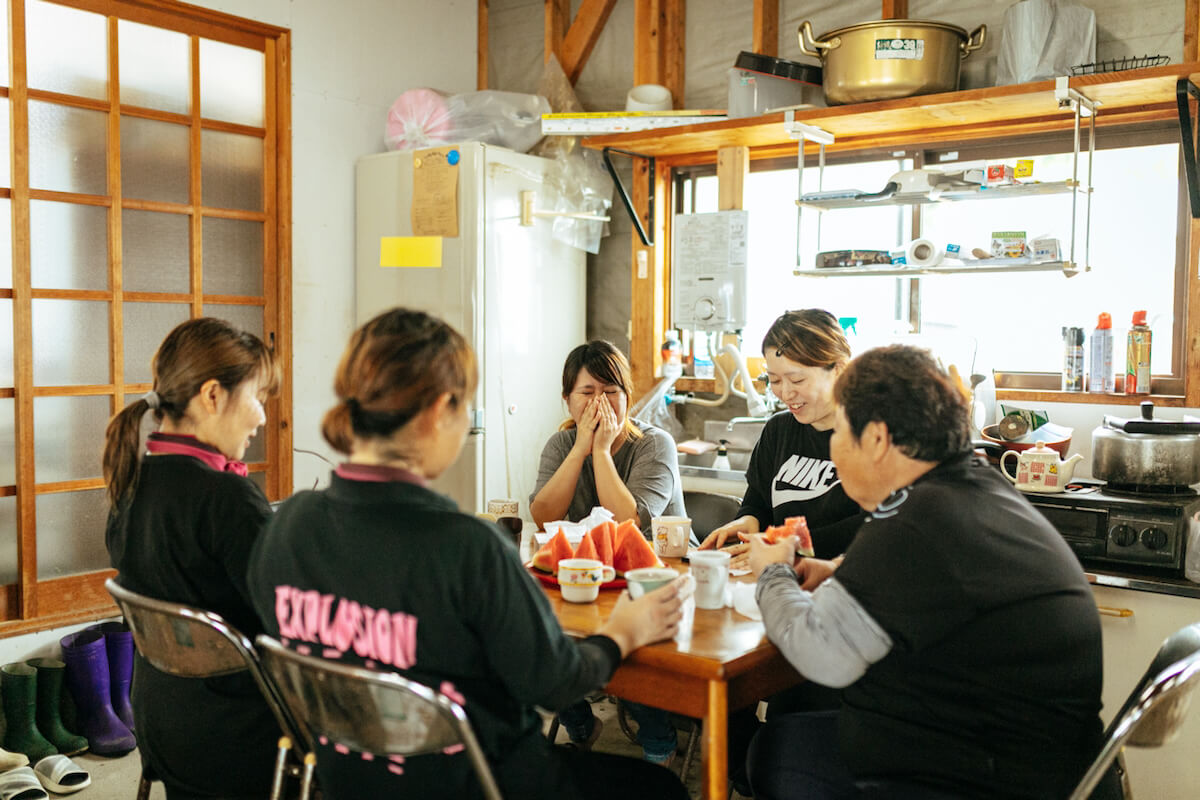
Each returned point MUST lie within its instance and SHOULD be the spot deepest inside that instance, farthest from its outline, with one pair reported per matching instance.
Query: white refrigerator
(514, 292)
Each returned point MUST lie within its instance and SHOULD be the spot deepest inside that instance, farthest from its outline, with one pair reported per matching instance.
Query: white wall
(350, 60)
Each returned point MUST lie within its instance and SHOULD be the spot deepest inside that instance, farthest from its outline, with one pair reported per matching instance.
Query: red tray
(552, 580)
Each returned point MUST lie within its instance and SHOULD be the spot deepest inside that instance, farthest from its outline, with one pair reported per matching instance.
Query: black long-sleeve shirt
(185, 535)
(390, 575)
(791, 474)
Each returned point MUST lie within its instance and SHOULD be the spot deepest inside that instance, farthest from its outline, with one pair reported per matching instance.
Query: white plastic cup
(710, 568)
(649, 97)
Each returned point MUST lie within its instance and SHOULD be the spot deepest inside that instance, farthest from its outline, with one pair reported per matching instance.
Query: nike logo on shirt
(802, 478)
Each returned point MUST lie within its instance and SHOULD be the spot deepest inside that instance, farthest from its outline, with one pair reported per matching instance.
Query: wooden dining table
(720, 661)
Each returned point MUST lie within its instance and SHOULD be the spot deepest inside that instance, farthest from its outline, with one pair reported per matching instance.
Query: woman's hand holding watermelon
(651, 618)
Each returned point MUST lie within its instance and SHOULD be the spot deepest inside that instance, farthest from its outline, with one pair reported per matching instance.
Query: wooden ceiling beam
(766, 27)
(582, 35)
(647, 35)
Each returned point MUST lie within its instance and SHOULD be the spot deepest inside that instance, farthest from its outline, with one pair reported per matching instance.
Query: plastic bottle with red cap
(1100, 363)
(1137, 356)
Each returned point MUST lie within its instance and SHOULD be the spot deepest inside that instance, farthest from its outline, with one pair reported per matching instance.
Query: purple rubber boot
(118, 643)
(88, 680)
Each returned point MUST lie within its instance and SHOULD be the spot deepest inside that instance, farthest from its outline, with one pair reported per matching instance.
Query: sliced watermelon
(546, 559)
(605, 536)
(792, 526)
(587, 547)
(631, 550)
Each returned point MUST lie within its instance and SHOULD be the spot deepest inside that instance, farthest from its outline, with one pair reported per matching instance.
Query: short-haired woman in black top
(380, 570)
(182, 523)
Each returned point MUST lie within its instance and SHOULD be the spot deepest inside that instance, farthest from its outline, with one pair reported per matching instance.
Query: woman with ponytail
(182, 522)
(381, 571)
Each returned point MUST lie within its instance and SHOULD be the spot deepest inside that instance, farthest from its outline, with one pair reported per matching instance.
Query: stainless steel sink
(741, 434)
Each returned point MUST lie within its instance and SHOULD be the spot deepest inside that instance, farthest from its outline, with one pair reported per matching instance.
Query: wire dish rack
(1119, 64)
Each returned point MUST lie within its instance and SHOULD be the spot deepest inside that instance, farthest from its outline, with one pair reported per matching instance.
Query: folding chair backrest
(1152, 715)
(192, 643)
(374, 712)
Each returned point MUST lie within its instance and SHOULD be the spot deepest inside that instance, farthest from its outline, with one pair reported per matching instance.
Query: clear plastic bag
(428, 118)
(579, 183)
(1043, 39)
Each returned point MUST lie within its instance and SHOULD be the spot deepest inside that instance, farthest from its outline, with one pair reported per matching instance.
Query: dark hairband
(375, 423)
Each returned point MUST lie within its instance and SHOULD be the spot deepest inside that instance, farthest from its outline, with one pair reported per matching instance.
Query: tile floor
(117, 778)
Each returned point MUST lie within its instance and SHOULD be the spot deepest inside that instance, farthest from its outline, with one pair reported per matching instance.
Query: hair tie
(152, 399)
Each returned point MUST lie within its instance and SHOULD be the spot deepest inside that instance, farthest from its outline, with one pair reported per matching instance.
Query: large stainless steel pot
(1146, 451)
(890, 58)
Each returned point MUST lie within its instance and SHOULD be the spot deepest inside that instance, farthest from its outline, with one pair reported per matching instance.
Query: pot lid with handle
(1148, 424)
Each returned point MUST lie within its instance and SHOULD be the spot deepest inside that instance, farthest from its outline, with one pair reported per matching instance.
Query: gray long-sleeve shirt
(648, 466)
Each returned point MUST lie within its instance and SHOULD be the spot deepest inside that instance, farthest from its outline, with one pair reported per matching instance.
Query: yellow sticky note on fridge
(410, 251)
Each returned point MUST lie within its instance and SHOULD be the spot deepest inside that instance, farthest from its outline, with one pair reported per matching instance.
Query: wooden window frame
(32, 604)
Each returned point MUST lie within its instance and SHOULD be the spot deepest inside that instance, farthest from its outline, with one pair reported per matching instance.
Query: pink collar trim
(378, 473)
(184, 445)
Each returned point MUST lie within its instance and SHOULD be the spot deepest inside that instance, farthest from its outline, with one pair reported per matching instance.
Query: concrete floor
(117, 778)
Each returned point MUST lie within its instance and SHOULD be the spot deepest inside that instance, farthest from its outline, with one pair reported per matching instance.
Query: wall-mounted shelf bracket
(624, 193)
(1070, 98)
(806, 133)
(1184, 91)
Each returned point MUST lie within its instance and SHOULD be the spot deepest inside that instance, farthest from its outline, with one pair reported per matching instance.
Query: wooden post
(481, 50)
(894, 9)
(1191, 25)
(650, 277)
(766, 27)
(673, 46)
(647, 50)
(557, 19)
(733, 168)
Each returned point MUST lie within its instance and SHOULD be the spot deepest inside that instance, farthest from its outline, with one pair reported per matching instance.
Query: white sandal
(61, 775)
(12, 760)
(21, 784)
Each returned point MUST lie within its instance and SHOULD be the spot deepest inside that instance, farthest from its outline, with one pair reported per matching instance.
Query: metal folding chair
(1156, 708)
(372, 712)
(193, 643)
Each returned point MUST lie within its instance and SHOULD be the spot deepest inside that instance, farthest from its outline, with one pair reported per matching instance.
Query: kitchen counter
(1180, 587)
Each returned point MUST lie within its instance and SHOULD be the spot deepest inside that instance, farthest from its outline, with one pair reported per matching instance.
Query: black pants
(796, 756)
(744, 724)
(559, 773)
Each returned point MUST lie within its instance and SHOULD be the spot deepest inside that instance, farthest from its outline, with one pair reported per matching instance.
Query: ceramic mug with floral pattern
(580, 578)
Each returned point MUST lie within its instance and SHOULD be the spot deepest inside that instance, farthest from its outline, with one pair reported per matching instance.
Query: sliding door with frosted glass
(146, 191)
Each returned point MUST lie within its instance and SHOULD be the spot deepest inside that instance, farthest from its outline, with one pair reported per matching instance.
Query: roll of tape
(923, 253)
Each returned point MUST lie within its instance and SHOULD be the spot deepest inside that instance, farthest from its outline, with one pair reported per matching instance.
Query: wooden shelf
(1132, 96)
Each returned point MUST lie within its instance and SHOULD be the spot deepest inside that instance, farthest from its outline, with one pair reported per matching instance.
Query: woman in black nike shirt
(791, 473)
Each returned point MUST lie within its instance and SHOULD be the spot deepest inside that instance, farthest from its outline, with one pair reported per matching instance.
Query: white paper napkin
(740, 597)
(574, 531)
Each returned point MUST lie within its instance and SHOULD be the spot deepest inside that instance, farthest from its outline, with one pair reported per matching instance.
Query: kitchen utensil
(1039, 469)
(890, 58)
(991, 434)
(1147, 452)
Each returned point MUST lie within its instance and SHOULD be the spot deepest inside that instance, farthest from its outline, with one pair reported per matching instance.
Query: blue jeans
(655, 732)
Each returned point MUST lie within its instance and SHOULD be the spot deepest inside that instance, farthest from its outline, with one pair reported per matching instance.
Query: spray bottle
(722, 459)
(1100, 361)
(1137, 356)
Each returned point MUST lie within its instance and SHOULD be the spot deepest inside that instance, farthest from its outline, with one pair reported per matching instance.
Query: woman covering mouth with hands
(601, 457)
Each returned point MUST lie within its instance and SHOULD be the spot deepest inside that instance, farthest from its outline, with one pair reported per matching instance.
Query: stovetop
(1089, 492)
